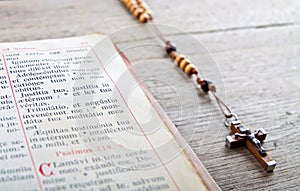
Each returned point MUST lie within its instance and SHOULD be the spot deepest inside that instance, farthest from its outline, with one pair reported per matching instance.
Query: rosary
(242, 135)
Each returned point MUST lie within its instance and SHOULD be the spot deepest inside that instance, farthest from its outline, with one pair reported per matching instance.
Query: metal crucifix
(244, 137)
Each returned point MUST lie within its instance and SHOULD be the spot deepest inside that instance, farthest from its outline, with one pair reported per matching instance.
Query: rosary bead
(179, 58)
(195, 71)
(204, 85)
(144, 18)
(137, 12)
(184, 63)
(149, 12)
(133, 8)
(173, 55)
(170, 47)
(129, 4)
(207, 86)
(125, 1)
(143, 6)
(189, 69)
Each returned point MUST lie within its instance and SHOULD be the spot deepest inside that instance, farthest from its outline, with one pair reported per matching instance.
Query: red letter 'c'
(42, 170)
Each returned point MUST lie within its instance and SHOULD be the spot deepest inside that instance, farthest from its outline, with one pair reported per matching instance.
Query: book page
(72, 117)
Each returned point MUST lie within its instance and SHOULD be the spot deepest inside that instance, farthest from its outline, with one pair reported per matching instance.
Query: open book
(74, 117)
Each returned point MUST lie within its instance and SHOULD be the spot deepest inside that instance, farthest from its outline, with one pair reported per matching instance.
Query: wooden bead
(198, 80)
(129, 4)
(184, 63)
(137, 12)
(195, 71)
(149, 12)
(143, 6)
(179, 58)
(170, 47)
(125, 1)
(173, 55)
(139, 2)
(207, 86)
(144, 17)
(132, 8)
(189, 69)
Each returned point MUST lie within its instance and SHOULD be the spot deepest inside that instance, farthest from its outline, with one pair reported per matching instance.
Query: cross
(244, 137)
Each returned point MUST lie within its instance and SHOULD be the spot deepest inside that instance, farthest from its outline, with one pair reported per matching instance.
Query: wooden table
(254, 61)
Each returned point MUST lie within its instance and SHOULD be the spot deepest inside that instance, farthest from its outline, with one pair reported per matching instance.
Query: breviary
(73, 117)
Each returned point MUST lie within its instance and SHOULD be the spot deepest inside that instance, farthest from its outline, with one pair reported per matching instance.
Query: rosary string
(221, 104)
(158, 32)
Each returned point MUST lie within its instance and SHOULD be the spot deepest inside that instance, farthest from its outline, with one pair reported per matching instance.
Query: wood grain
(255, 46)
